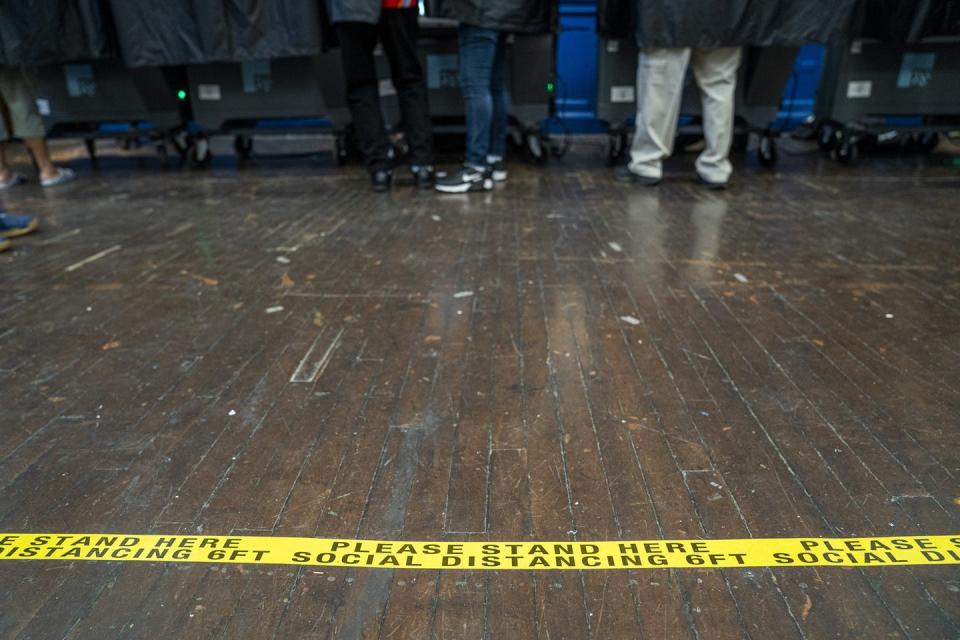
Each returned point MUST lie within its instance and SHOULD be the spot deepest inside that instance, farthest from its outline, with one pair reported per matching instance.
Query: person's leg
(26, 123)
(659, 89)
(41, 155)
(357, 41)
(7, 177)
(398, 32)
(478, 50)
(5, 172)
(498, 92)
(716, 73)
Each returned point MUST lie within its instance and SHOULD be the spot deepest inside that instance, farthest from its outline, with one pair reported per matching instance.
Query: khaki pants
(18, 106)
(660, 75)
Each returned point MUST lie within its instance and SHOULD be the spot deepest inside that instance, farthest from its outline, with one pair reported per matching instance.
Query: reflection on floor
(279, 351)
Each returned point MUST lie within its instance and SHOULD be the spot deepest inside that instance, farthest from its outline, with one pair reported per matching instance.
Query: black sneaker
(423, 176)
(381, 180)
(468, 178)
(623, 174)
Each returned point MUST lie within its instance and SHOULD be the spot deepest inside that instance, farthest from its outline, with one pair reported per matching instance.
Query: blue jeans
(484, 85)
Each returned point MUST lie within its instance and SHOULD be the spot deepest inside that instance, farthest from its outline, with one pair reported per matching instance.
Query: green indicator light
(182, 95)
(549, 87)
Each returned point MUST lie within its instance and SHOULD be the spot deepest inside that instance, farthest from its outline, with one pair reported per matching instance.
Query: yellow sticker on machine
(396, 554)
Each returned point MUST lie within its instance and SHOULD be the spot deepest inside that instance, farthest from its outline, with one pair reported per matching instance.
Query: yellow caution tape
(633, 554)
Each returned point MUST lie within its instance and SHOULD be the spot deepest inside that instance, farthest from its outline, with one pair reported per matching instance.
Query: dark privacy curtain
(34, 32)
(514, 16)
(161, 32)
(716, 23)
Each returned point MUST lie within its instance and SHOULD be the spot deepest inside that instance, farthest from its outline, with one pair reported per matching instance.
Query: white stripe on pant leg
(716, 73)
(659, 89)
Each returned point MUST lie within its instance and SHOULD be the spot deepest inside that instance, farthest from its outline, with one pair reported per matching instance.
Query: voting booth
(895, 81)
(770, 32)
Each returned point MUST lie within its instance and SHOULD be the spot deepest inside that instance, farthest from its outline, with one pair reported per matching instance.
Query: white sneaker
(498, 169)
(12, 181)
(63, 175)
(468, 178)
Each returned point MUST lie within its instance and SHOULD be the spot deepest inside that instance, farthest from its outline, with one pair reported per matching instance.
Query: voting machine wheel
(616, 147)
(243, 146)
(847, 150)
(767, 152)
(198, 155)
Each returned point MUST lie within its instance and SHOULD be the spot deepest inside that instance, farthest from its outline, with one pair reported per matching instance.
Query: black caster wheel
(767, 152)
(180, 141)
(243, 145)
(926, 142)
(557, 147)
(533, 142)
(827, 138)
(546, 144)
(515, 136)
(340, 150)
(91, 145)
(846, 152)
(199, 155)
(616, 147)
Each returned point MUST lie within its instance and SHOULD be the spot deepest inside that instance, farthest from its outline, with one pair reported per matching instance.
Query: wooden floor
(279, 351)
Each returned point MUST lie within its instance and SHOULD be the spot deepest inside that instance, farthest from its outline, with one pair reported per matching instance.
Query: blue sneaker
(12, 226)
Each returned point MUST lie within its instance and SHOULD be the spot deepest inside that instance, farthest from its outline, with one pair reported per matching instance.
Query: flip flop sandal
(63, 175)
(12, 181)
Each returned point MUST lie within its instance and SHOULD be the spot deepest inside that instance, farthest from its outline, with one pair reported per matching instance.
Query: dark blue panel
(800, 93)
(577, 66)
